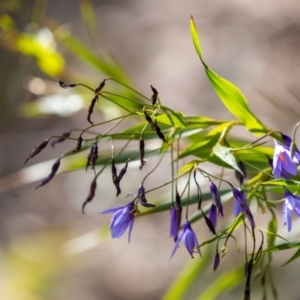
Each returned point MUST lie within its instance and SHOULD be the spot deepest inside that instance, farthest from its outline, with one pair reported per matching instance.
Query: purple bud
(142, 197)
(216, 261)
(37, 150)
(54, 169)
(217, 198)
(212, 215)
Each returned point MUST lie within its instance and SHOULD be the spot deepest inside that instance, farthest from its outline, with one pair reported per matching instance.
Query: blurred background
(48, 248)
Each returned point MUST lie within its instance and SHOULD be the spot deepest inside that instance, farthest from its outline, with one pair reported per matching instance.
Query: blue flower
(287, 142)
(189, 239)
(241, 205)
(122, 218)
(291, 203)
(217, 198)
(282, 162)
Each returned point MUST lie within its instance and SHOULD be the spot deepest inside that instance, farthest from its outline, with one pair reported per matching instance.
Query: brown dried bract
(37, 150)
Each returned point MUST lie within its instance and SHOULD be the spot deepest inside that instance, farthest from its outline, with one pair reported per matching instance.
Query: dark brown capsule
(89, 158)
(91, 194)
(115, 178)
(79, 144)
(100, 87)
(37, 150)
(65, 85)
(154, 95)
(142, 152)
(178, 209)
(122, 172)
(61, 139)
(240, 177)
(54, 169)
(159, 133)
(91, 108)
(147, 117)
(94, 155)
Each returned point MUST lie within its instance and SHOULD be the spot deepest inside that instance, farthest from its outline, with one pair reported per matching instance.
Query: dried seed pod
(89, 158)
(62, 138)
(91, 108)
(65, 85)
(154, 95)
(54, 169)
(91, 195)
(79, 144)
(142, 197)
(123, 171)
(159, 133)
(142, 152)
(94, 155)
(178, 209)
(37, 150)
(155, 127)
(115, 178)
(100, 87)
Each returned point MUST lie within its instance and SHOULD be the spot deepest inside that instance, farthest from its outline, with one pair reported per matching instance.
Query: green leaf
(224, 282)
(175, 119)
(203, 122)
(295, 256)
(230, 95)
(235, 102)
(282, 182)
(285, 246)
(272, 231)
(225, 154)
(187, 277)
(206, 143)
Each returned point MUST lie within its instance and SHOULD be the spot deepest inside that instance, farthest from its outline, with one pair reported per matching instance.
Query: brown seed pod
(100, 87)
(54, 169)
(79, 144)
(91, 108)
(115, 178)
(94, 155)
(123, 171)
(61, 139)
(154, 95)
(65, 85)
(142, 152)
(91, 194)
(37, 150)
(159, 133)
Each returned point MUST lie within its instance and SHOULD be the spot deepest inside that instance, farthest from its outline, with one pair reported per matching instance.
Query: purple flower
(212, 215)
(122, 218)
(241, 205)
(175, 217)
(291, 203)
(217, 198)
(189, 239)
(282, 162)
(240, 177)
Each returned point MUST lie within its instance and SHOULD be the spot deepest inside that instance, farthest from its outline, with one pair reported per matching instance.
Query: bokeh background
(48, 248)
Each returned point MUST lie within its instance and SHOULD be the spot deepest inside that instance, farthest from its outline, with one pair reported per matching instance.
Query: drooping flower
(217, 198)
(241, 205)
(282, 162)
(189, 239)
(216, 261)
(123, 217)
(212, 215)
(175, 217)
(291, 203)
(288, 143)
